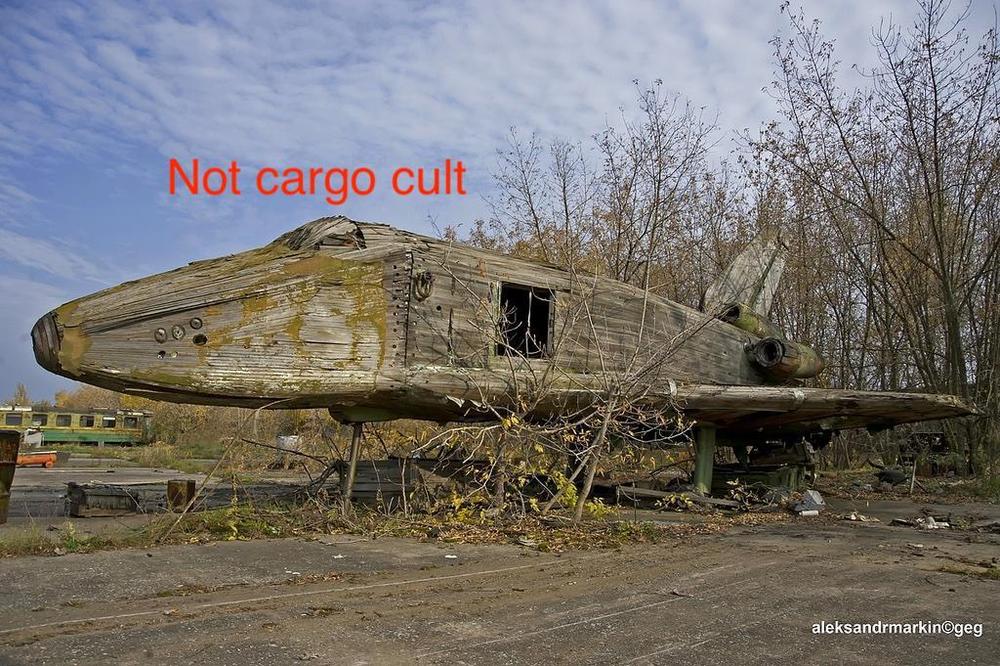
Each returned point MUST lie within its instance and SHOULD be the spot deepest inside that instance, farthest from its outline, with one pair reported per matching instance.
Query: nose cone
(45, 341)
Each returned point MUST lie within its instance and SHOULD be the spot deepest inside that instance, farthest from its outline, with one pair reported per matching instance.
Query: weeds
(989, 573)
(550, 533)
(30, 541)
(64, 540)
(988, 488)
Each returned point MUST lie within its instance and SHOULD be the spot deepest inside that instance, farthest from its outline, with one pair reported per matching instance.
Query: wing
(783, 411)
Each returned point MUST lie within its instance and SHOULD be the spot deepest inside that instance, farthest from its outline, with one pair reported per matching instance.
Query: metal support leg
(704, 459)
(352, 469)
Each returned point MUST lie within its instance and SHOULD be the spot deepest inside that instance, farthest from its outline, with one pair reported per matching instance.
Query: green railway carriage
(77, 426)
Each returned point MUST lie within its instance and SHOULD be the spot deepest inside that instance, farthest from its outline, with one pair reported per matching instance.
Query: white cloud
(47, 256)
(362, 83)
(25, 301)
(12, 199)
(261, 83)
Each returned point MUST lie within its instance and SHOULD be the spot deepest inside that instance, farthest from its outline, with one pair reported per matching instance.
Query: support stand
(704, 458)
(347, 486)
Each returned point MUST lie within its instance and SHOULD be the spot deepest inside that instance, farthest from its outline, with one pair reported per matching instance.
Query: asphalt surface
(749, 595)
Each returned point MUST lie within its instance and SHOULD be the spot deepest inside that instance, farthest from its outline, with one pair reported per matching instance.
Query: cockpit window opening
(525, 320)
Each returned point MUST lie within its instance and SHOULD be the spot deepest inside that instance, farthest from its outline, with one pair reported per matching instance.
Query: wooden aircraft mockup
(375, 323)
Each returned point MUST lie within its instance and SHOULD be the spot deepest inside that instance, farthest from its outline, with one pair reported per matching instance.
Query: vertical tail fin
(751, 279)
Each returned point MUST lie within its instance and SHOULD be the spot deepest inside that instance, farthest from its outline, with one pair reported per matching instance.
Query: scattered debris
(811, 503)
(689, 497)
(756, 495)
(929, 523)
(859, 517)
(892, 475)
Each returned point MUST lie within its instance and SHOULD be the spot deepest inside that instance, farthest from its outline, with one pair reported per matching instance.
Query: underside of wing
(779, 411)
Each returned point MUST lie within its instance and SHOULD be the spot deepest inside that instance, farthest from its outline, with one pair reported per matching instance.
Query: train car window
(131, 422)
(108, 422)
(63, 420)
(86, 421)
(525, 317)
(39, 419)
(13, 419)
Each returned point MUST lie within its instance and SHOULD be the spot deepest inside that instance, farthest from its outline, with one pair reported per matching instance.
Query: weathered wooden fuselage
(375, 323)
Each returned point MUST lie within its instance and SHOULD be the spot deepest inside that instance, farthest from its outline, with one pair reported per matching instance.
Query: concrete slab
(38, 493)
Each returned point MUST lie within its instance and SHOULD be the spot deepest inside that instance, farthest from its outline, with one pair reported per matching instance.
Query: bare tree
(904, 172)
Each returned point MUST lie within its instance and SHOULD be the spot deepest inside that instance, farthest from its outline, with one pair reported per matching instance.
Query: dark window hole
(525, 318)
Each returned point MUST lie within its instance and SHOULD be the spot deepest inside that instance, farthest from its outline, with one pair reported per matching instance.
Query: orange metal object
(42, 458)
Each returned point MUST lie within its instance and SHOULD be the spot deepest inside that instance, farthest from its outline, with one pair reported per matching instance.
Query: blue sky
(95, 97)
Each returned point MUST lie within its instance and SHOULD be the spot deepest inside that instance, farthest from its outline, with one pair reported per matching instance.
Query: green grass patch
(64, 540)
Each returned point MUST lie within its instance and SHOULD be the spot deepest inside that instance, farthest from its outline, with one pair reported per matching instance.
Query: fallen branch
(635, 493)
